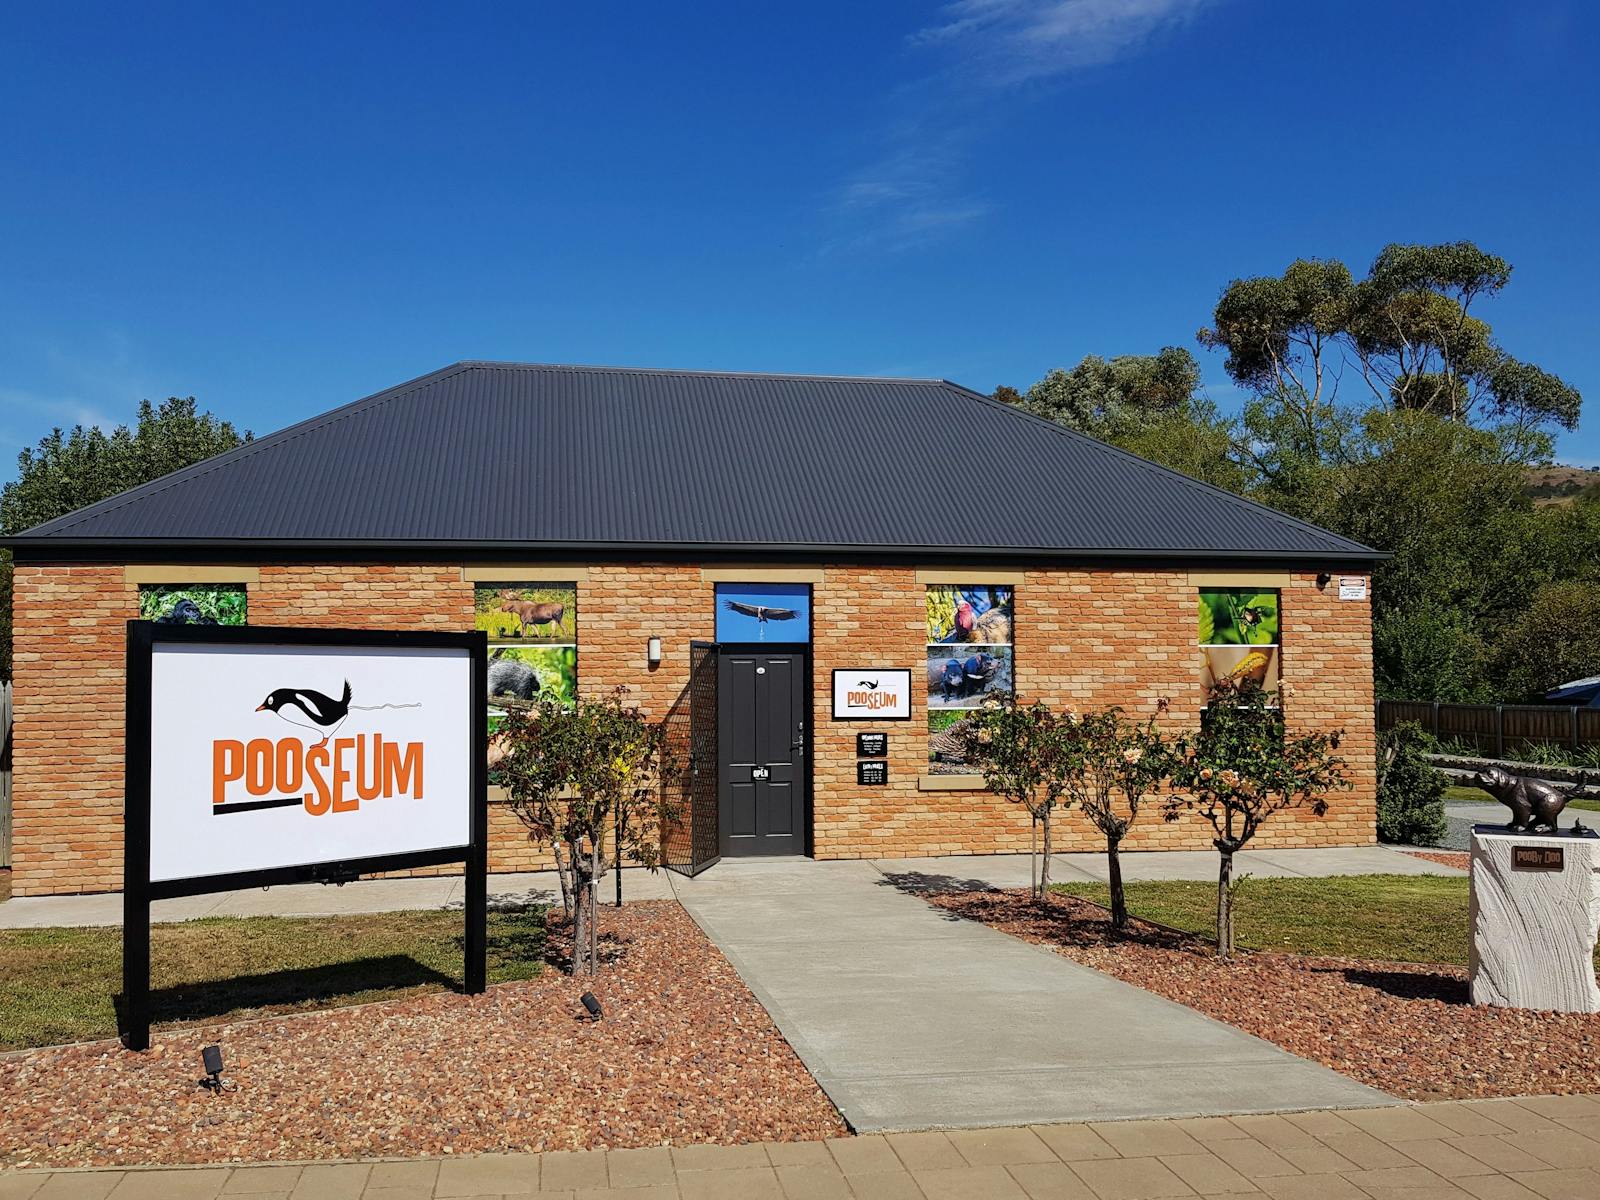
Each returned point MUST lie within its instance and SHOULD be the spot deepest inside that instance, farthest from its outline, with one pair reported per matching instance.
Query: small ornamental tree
(1240, 768)
(1026, 754)
(1119, 763)
(575, 776)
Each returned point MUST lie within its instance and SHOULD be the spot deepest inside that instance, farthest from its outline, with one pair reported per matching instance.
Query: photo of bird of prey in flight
(762, 612)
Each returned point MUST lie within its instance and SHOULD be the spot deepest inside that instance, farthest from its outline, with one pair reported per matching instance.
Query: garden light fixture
(592, 1005)
(211, 1059)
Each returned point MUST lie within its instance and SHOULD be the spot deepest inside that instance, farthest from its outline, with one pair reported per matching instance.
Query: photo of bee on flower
(1234, 617)
(1238, 638)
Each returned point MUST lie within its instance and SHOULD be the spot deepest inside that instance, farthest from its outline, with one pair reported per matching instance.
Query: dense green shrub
(1410, 790)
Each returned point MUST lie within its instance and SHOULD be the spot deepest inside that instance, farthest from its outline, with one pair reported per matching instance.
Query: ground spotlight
(211, 1059)
(592, 1005)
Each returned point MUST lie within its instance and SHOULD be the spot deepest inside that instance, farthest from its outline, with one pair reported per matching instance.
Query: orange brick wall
(1083, 638)
(66, 797)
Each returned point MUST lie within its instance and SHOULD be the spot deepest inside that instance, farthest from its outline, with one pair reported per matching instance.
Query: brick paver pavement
(1543, 1148)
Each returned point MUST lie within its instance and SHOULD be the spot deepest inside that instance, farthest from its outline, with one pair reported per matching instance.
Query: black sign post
(138, 891)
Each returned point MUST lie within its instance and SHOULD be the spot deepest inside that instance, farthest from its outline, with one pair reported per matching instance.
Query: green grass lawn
(1398, 918)
(1472, 795)
(56, 985)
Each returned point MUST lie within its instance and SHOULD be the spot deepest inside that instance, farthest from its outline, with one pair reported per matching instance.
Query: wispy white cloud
(97, 383)
(905, 198)
(914, 189)
(1011, 41)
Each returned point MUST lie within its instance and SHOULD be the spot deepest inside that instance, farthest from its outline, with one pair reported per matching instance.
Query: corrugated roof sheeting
(494, 452)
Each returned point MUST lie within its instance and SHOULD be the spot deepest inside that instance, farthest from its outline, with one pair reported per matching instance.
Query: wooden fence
(1498, 730)
(5, 774)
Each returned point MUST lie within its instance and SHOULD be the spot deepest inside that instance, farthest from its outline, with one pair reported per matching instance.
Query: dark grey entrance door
(761, 745)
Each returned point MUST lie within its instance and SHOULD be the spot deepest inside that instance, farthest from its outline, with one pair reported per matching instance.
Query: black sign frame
(138, 891)
(872, 772)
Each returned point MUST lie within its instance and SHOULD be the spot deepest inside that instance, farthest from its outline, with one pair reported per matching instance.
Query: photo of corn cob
(1234, 664)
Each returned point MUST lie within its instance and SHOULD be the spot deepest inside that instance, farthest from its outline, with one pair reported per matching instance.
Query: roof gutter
(26, 549)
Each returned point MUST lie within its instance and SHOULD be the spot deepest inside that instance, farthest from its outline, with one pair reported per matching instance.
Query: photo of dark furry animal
(953, 680)
(512, 677)
(1534, 804)
(186, 612)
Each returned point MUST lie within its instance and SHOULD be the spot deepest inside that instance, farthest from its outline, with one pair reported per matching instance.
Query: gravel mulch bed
(1408, 1029)
(684, 1054)
(1459, 859)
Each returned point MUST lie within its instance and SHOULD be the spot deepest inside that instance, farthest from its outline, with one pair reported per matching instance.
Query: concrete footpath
(1546, 1148)
(444, 891)
(910, 1018)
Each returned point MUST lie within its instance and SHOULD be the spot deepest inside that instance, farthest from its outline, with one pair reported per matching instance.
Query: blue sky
(282, 209)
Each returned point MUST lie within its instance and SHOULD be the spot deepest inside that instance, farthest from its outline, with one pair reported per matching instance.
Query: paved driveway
(910, 1019)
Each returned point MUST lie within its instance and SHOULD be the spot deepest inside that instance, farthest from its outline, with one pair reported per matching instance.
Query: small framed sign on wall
(871, 694)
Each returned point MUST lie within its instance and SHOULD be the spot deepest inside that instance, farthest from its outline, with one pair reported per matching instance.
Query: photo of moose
(960, 677)
(192, 603)
(527, 612)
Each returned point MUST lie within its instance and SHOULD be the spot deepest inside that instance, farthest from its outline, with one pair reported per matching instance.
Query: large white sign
(271, 756)
(871, 694)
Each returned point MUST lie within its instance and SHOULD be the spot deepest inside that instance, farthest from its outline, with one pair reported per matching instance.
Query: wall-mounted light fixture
(1323, 579)
(652, 652)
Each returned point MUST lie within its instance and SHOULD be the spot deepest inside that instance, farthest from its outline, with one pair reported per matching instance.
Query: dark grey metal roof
(530, 457)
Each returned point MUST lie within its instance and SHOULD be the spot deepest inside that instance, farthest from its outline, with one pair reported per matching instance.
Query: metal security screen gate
(763, 761)
(689, 844)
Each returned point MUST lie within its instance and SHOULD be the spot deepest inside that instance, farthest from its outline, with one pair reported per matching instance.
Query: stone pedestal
(1535, 917)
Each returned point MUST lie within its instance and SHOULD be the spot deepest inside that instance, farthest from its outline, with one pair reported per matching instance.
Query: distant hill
(1560, 485)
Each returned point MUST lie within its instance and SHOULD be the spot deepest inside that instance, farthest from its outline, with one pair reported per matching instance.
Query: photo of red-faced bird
(309, 710)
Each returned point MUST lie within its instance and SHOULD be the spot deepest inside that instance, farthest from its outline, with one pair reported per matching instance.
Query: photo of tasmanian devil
(1534, 804)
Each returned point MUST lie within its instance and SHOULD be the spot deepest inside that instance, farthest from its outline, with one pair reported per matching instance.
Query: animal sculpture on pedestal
(1534, 804)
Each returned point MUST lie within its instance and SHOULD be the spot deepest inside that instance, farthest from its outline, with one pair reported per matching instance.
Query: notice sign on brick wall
(871, 694)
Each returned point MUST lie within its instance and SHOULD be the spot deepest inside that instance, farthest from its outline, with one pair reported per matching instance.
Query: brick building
(771, 564)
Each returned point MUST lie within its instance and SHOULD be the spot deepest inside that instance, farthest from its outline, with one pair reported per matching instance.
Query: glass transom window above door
(763, 612)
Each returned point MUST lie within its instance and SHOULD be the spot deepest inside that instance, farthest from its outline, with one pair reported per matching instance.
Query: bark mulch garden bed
(1408, 1029)
(684, 1054)
(1459, 859)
